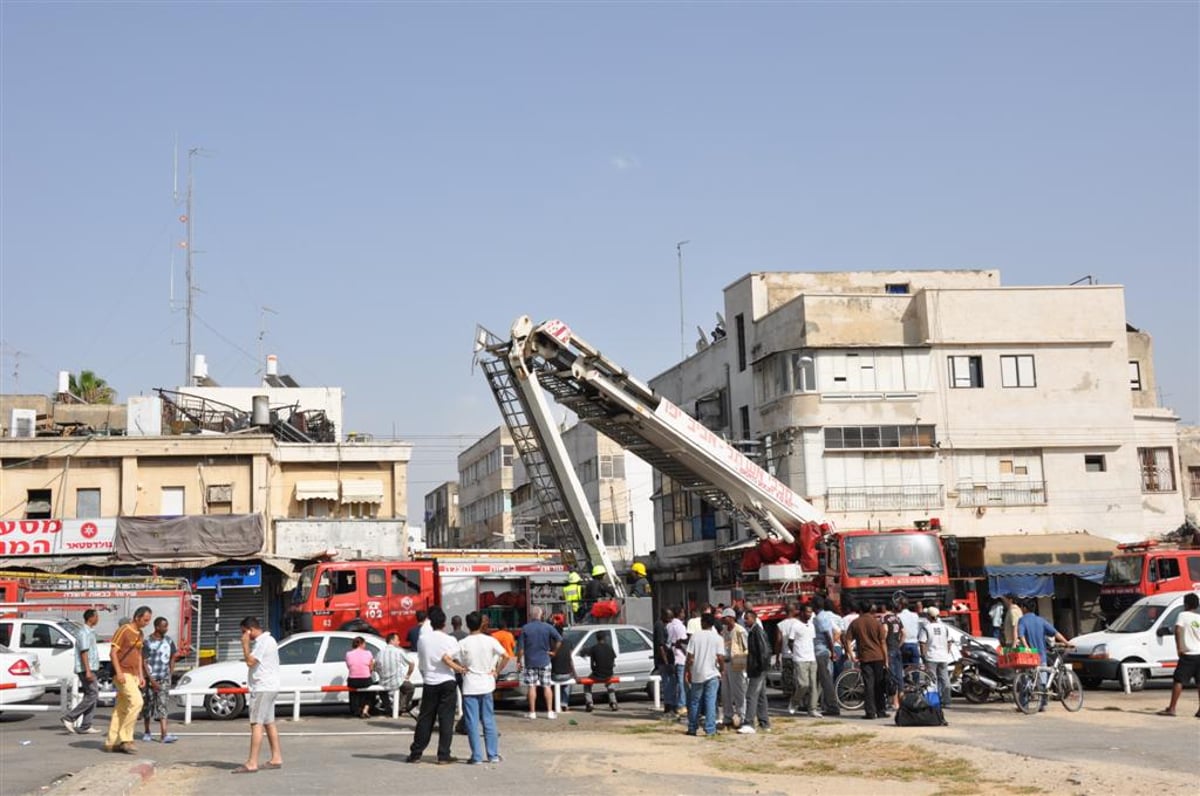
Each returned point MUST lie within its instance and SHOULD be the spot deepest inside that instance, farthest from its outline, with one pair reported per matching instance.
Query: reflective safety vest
(573, 594)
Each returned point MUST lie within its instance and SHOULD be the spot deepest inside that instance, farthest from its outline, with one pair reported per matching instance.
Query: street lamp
(679, 256)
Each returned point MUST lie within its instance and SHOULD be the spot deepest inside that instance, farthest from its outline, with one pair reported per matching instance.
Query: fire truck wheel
(224, 707)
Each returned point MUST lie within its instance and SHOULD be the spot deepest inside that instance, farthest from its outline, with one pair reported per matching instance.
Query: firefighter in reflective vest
(573, 593)
(598, 588)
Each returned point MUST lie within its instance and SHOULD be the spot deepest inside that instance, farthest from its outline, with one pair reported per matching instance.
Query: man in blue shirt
(538, 643)
(87, 662)
(825, 647)
(1032, 631)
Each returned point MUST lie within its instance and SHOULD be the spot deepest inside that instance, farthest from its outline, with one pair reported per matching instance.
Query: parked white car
(20, 678)
(1144, 633)
(305, 660)
(52, 643)
(634, 647)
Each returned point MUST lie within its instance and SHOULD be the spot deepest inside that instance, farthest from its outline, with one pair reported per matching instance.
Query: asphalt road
(35, 751)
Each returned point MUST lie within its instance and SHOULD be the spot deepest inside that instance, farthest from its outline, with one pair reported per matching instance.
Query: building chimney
(272, 365)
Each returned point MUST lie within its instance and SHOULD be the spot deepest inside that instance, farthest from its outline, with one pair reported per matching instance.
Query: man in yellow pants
(129, 678)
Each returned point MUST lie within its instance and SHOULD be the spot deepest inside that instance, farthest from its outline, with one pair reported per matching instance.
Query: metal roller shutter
(234, 605)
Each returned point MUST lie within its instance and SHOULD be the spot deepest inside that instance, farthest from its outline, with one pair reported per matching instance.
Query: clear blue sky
(384, 176)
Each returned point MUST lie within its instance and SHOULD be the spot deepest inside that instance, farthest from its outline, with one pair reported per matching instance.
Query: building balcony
(884, 498)
(1005, 493)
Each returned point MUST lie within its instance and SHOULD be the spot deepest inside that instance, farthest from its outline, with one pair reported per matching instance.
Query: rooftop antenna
(190, 298)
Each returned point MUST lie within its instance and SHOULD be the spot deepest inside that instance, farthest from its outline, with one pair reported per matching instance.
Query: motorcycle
(980, 675)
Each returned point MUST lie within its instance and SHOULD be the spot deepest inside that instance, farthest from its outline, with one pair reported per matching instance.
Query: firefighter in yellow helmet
(598, 588)
(573, 593)
(641, 586)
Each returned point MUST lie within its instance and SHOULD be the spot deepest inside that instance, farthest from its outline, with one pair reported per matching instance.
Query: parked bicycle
(1056, 681)
(851, 692)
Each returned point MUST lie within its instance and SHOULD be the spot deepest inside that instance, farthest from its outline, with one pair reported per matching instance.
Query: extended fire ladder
(607, 397)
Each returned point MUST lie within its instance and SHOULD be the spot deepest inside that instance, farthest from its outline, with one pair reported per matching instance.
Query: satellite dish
(720, 320)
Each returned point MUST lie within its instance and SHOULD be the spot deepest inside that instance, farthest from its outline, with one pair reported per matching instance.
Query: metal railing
(871, 498)
(1005, 493)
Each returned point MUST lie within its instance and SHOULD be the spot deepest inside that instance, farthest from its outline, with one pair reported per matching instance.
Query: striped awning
(316, 490)
(362, 491)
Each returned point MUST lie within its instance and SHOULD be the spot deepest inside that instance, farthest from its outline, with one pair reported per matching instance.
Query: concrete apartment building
(441, 516)
(1189, 466)
(485, 485)
(158, 459)
(885, 397)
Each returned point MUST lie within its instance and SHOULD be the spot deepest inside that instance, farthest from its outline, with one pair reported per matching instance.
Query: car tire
(1091, 683)
(224, 707)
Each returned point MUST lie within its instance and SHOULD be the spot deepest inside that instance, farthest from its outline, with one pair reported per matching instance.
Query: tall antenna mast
(191, 289)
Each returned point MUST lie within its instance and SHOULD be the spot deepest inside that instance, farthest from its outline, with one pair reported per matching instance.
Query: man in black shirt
(604, 660)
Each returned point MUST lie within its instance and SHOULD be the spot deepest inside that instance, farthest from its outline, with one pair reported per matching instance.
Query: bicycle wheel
(851, 693)
(1025, 691)
(917, 679)
(1070, 690)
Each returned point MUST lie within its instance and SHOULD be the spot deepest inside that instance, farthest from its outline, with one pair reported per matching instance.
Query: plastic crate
(1019, 658)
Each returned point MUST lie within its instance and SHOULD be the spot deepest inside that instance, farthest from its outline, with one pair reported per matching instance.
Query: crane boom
(610, 399)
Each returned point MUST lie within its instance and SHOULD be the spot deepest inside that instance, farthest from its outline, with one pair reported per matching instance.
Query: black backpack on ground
(915, 711)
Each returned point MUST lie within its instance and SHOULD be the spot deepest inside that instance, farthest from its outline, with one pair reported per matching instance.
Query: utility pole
(679, 256)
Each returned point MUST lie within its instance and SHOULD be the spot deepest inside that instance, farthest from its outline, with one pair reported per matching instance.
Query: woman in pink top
(360, 662)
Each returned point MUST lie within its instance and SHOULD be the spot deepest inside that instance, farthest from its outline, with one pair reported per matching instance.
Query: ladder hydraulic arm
(610, 399)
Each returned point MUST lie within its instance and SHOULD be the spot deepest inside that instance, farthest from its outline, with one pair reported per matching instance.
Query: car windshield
(300, 593)
(1138, 619)
(893, 554)
(1123, 571)
(72, 627)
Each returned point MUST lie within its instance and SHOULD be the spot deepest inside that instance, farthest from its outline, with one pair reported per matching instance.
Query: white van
(1144, 633)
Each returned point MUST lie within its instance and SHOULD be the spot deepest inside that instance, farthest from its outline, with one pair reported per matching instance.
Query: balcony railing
(1006, 493)
(883, 498)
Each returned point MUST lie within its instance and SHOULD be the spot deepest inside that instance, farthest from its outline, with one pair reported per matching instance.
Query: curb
(105, 779)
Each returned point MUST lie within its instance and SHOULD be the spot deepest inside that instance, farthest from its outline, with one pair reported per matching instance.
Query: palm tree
(91, 389)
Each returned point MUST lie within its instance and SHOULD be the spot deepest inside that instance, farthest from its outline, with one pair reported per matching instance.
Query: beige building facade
(886, 397)
(485, 485)
(441, 516)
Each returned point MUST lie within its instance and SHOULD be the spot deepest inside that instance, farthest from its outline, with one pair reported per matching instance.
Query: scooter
(980, 675)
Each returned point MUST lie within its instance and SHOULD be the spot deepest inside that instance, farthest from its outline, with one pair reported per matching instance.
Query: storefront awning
(316, 490)
(360, 491)
(1025, 565)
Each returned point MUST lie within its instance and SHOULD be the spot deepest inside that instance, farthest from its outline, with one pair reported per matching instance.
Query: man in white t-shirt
(705, 662)
(802, 637)
(936, 643)
(484, 659)
(1187, 644)
(262, 657)
(436, 653)
(910, 650)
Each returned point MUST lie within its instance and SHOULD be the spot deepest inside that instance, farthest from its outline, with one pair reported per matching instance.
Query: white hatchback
(20, 680)
(306, 660)
(634, 647)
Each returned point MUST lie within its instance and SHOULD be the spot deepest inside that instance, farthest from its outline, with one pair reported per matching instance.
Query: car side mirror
(64, 643)
(1165, 630)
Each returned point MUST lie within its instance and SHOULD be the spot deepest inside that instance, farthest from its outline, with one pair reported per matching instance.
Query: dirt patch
(180, 779)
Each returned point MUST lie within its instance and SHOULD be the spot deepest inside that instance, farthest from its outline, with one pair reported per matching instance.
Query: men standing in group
(395, 670)
(733, 678)
(537, 645)
(801, 640)
(160, 656)
(866, 642)
(87, 661)
(262, 658)
(825, 645)
(936, 643)
(484, 659)
(677, 636)
(758, 661)
(127, 666)
(436, 653)
(705, 662)
(1187, 645)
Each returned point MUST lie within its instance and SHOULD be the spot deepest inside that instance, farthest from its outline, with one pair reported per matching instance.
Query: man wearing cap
(936, 645)
(641, 586)
(733, 677)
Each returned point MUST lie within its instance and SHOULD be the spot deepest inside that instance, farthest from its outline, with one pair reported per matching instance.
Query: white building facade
(886, 397)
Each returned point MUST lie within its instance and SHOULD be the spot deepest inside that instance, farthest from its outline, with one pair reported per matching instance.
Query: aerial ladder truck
(549, 358)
